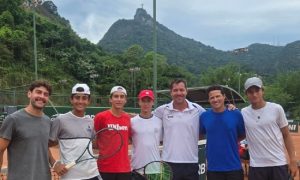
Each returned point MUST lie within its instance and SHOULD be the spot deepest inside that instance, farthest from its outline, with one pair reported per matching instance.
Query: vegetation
(193, 55)
(64, 59)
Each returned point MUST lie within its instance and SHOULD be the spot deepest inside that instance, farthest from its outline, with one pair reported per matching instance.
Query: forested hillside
(64, 58)
(196, 56)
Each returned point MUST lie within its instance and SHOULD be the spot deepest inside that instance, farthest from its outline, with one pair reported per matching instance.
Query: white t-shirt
(146, 136)
(264, 136)
(181, 132)
(73, 133)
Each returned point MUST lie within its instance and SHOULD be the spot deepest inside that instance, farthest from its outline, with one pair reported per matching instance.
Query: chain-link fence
(17, 98)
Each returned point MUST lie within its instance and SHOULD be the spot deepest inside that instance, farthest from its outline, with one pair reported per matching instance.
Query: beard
(35, 105)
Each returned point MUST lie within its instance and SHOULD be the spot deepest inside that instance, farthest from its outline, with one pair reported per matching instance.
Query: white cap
(118, 89)
(81, 89)
(254, 81)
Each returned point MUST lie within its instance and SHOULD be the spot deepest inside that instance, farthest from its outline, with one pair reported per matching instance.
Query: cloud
(219, 23)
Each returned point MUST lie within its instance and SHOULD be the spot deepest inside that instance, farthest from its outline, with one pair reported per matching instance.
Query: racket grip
(71, 164)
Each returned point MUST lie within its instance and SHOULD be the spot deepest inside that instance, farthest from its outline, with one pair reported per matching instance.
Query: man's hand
(231, 107)
(60, 168)
(293, 168)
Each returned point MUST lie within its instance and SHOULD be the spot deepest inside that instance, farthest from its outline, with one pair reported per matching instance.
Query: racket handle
(71, 164)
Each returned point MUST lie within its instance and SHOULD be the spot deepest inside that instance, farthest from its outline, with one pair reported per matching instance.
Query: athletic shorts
(274, 173)
(186, 171)
(116, 176)
(94, 178)
(227, 175)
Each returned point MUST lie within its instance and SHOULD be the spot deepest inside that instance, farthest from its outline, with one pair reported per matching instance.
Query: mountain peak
(141, 15)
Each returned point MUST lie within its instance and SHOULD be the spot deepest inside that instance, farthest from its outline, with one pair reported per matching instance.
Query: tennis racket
(109, 143)
(155, 170)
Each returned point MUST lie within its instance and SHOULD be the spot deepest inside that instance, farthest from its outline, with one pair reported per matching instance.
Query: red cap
(146, 93)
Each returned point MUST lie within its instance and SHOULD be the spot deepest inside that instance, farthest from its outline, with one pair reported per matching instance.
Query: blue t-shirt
(222, 131)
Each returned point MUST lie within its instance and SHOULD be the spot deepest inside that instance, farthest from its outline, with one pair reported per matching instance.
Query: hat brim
(152, 98)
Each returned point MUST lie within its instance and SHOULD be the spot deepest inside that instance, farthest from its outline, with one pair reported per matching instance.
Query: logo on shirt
(89, 129)
(118, 127)
(170, 116)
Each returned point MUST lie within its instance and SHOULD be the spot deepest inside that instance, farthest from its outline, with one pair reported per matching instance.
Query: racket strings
(109, 143)
(158, 171)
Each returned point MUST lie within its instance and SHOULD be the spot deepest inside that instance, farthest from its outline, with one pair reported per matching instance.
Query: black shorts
(116, 176)
(225, 175)
(274, 173)
(94, 178)
(185, 171)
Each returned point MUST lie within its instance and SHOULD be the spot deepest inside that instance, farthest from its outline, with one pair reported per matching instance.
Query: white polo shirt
(181, 132)
(264, 137)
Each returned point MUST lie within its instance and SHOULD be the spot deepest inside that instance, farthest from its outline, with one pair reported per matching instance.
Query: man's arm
(3, 146)
(51, 158)
(290, 149)
(52, 143)
(56, 165)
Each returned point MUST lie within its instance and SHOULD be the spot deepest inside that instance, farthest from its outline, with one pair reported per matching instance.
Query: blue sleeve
(241, 126)
(202, 129)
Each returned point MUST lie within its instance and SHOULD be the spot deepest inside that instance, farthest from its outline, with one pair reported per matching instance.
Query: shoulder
(155, 117)
(162, 107)
(197, 106)
(159, 111)
(125, 115)
(18, 115)
(274, 105)
(101, 114)
(275, 108)
(135, 119)
(246, 109)
(236, 112)
(206, 113)
(10, 119)
(45, 117)
(60, 117)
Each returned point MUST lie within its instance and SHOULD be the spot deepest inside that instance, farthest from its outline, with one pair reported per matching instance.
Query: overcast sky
(223, 24)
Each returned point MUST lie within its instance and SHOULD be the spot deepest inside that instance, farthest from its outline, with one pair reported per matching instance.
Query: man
(72, 131)
(25, 134)
(181, 132)
(267, 135)
(223, 130)
(146, 132)
(116, 167)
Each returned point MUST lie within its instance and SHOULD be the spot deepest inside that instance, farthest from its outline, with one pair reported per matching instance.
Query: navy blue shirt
(222, 131)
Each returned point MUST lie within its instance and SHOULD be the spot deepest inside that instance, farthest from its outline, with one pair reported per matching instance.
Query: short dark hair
(215, 87)
(177, 81)
(40, 83)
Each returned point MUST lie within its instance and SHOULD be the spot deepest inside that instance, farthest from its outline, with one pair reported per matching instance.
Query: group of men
(178, 124)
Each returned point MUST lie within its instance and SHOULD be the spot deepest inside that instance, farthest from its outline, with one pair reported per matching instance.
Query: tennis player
(268, 136)
(25, 135)
(181, 132)
(72, 132)
(223, 129)
(146, 132)
(116, 167)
